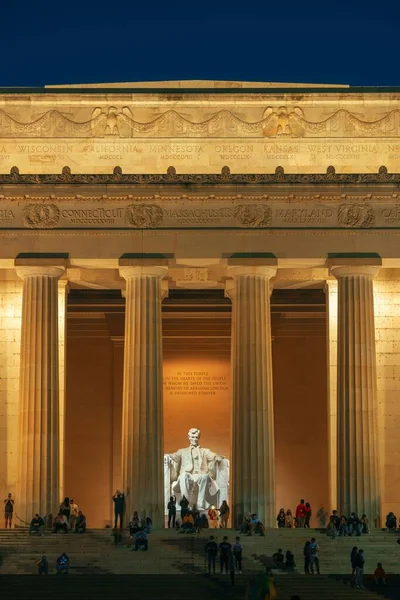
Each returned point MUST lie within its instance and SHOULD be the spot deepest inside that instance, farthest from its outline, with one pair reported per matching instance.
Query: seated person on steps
(36, 526)
(43, 566)
(188, 523)
(80, 523)
(135, 523)
(60, 524)
(141, 541)
(62, 565)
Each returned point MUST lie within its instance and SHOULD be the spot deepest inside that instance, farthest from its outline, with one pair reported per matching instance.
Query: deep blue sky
(313, 41)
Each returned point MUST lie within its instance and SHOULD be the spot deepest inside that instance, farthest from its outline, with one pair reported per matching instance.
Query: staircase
(178, 560)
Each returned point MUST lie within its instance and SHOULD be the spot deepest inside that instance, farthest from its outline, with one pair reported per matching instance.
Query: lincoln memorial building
(200, 254)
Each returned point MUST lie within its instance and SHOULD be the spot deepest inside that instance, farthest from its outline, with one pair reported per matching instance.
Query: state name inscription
(158, 213)
(202, 156)
(195, 383)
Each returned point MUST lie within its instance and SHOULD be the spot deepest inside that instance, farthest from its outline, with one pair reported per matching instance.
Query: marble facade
(238, 187)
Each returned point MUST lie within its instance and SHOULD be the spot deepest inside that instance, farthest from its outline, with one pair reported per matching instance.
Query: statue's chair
(219, 472)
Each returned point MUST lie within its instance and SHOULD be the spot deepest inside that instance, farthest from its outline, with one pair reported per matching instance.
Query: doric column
(142, 412)
(253, 451)
(357, 461)
(39, 408)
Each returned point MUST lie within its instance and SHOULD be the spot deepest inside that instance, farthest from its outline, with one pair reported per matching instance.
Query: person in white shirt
(74, 513)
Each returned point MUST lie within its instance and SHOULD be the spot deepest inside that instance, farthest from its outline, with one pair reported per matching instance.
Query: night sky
(351, 42)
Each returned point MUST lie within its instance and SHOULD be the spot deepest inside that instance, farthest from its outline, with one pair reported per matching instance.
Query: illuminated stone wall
(10, 340)
(387, 327)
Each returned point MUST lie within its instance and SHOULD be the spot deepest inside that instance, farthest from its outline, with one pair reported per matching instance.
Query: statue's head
(194, 436)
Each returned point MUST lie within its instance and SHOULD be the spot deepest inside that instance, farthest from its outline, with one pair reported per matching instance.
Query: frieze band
(228, 212)
(276, 122)
(225, 177)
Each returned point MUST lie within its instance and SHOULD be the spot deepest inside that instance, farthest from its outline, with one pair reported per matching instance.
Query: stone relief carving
(41, 216)
(120, 178)
(253, 215)
(284, 121)
(144, 215)
(356, 215)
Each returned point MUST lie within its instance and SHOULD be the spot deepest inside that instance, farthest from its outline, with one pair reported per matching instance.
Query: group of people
(62, 565)
(230, 556)
(302, 516)
(69, 518)
(194, 520)
(344, 526)
(252, 525)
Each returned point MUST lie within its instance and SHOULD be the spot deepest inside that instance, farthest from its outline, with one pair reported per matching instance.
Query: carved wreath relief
(356, 215)
(285, 121)
(144, 215)
(253, 215)
(40, 216)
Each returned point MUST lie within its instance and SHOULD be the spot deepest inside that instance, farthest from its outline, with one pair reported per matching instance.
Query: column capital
(349, 270)
(267, 271)
(40, 271)
(129, 272)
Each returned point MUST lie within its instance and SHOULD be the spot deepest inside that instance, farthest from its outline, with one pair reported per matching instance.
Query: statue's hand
(218, 459)
(171, 460)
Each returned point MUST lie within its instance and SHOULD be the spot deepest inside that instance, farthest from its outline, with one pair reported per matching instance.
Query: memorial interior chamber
(196, 327)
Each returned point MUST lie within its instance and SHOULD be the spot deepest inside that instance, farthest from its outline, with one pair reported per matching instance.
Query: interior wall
(197, 394)
(301, 415)
(89, 426)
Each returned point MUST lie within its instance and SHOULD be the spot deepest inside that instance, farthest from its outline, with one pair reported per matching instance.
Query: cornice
(223, 178)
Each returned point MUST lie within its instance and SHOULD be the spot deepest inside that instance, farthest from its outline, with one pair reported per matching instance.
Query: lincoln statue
(194, 471)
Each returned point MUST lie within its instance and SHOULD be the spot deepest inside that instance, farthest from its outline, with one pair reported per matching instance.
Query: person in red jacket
(301, 513)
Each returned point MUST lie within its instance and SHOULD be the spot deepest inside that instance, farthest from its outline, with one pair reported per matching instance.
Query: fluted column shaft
(39, 452)
(253, 448)
(142, 420)
(357, 460)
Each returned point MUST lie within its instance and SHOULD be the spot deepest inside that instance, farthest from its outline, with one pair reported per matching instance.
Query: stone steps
(171, 552)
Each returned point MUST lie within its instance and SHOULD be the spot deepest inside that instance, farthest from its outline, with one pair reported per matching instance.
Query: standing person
(224, 514)
(238, 555)
(184, 504)
(314, 559)
(322, 515)
(224, 549)
(119, 506)
(306, 555)
(353, 562)
(65, 508)
(290, 521)
(8, 510)
(171, 512)
(211, 549)
(281, 518)
(301, 511)
(74, 513)
(360, 561)
(308, 516)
